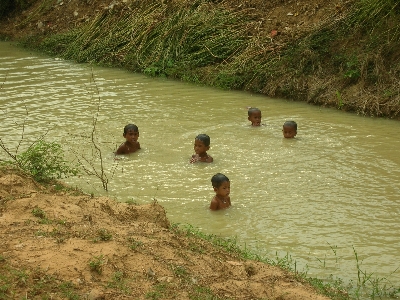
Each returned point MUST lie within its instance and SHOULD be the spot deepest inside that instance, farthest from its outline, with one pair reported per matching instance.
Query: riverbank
(339, 55)
(59, 243)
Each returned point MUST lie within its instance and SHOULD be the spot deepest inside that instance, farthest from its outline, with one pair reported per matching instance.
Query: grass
(212, 44)
(103, 235)
(119, 282)
(36, 284)
(96, 264)
(368, 286)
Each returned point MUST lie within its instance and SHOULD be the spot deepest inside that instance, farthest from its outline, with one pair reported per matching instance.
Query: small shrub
(133, 244)
(45, 161)
(103, 235)
(39, 213)
(96, 264)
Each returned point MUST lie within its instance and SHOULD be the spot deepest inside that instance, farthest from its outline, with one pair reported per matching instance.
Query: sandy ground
(62, 244)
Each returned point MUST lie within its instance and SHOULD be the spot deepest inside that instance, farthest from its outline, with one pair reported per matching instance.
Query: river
(330, 193)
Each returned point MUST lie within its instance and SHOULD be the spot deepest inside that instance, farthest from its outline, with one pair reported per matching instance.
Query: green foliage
(352, 69)
(96, 264)
(118, 282)
(45, 161)
(133, 244)
(103, 235)
(202, 293)
(158, 292)
(67, 290)
(39, 213)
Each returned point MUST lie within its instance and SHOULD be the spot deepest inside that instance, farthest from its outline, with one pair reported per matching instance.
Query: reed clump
(348, 61)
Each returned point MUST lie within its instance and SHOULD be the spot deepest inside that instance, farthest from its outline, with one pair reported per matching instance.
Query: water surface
(331, 191)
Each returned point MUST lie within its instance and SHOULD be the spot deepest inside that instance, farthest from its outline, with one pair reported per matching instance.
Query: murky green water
(333, 189)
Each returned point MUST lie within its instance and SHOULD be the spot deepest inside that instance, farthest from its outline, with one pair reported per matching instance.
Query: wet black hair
(290, 124)
(130, 127)
(218, 179)
(252, 110)
(204, 138)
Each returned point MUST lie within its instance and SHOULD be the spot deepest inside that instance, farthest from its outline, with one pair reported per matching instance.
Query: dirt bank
(66, 245)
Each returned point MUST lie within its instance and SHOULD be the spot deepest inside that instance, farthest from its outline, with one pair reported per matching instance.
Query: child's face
(199, 147)
(224, 189)
(289, 132)
(131, 136)
(255, 118)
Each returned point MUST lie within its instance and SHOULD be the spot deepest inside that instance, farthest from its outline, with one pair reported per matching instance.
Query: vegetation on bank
(350, 63)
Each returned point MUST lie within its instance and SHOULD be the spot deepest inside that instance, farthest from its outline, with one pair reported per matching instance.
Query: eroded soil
(67, 245)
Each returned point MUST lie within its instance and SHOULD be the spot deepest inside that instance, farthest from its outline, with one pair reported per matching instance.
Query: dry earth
(97, 248)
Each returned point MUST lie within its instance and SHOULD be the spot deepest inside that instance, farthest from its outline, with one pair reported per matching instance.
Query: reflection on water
(335, 187)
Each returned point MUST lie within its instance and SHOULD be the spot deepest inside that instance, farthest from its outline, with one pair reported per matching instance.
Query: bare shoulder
(214, 205)
(122, 149)
(210, 159)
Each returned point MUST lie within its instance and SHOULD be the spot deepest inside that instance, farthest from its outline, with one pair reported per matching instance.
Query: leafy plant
(103, 235)
(133, 244)
(96, 264)
(45, 161)
(67, 289)
(118, 282)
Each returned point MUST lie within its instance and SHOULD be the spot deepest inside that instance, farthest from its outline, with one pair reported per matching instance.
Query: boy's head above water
(218, 179)
(254, 116)
(130, 127)
(203, 138)
(201, 146)
(131, 133)
(289, 129)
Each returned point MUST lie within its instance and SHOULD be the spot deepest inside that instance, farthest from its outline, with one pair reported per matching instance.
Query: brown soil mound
(66, 245)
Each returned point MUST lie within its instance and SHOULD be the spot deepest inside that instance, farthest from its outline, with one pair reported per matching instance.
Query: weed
(196, 248)
(132, 202)
(103, 235)
(118, 282)
(202, 293)
(96, 264)
(340, 101)
(39, 213)
(133, 244)
(180, 271)
(21, 277)
(67, 289)
(352, 69)
(158, 292)
(41, 233)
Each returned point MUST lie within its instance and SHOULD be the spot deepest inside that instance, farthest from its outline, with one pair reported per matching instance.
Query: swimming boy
(289, 129)
(131, 134)
(254, 116)
(222, 187)
(201, 146)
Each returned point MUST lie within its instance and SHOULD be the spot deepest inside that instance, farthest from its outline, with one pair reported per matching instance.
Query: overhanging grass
(367, 286)
(208, 43)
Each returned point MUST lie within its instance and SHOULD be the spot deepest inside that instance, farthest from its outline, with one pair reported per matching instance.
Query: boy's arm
(214, 204)
(121, 150)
